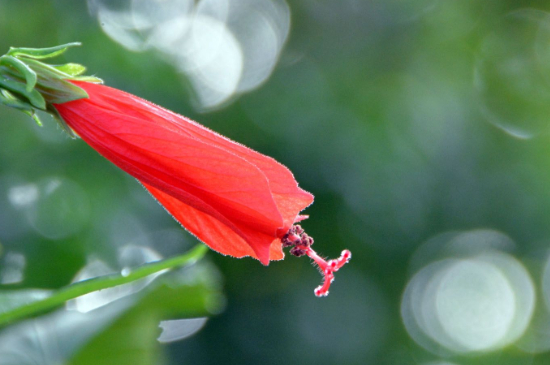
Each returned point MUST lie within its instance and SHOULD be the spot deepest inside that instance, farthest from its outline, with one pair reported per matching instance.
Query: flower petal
(236, 200)
(179, 165)
(233, 241)
(290, 199)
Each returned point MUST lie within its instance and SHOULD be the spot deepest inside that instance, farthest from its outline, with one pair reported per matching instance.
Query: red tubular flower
(236, 200)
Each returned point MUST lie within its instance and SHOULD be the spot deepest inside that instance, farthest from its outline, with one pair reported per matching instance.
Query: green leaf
(187, 293)
(41, 53)
(131, 340)
(75, 290)
(56, 337)
(30, 75)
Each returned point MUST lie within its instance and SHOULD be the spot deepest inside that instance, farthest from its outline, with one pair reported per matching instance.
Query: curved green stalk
(59, 297)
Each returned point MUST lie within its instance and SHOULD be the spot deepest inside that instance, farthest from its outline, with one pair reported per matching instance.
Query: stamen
(301, 243)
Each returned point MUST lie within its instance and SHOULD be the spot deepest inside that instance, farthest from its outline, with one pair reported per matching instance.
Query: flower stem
(102, 282)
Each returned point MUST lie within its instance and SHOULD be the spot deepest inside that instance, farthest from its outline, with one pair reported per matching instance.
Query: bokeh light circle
(56, 207)
(469, 305)
(512, 74)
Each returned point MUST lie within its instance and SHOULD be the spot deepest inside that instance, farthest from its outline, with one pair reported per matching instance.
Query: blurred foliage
(19, 304)
(416, 124)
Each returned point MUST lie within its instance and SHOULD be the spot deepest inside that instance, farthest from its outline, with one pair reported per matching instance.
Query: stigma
(301, 243)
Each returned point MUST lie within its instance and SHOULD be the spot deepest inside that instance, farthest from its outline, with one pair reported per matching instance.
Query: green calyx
(28, 84)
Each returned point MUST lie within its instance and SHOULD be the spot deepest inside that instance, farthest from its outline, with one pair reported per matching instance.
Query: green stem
(102, 282)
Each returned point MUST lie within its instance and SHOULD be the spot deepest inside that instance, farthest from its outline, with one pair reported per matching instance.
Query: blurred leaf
(132, 338)
(54, 338)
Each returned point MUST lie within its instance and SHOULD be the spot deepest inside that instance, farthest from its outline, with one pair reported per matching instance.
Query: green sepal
(73, 69)
(59, 91)
(46, 70)
(62, 122)
(20, 66)
(10, 100)
(34, 116)
(42, 53)
(30, 85)
(16, 87)
(52, 86)
(91, 79)
(50, 77)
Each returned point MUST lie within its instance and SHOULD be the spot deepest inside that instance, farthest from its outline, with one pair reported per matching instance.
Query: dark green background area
(399, 116)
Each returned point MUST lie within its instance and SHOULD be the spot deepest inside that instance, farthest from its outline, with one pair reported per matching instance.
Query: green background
(405, 119)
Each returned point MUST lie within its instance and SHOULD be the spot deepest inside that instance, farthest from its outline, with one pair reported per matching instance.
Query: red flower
(237, 201)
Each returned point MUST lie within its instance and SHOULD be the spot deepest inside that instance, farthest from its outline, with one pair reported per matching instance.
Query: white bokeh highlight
(179, 329)
(54, 206)
(476, 299)
(223, 47)
(512, 72)
(475, 304)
